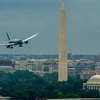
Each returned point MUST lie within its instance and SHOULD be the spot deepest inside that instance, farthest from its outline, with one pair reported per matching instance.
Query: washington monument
(62, 73)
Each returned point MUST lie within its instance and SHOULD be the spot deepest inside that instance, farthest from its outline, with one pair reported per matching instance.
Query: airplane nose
(20, 42)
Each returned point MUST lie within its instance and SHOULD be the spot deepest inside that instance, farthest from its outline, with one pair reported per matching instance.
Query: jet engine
(8, 46)
(26, 42)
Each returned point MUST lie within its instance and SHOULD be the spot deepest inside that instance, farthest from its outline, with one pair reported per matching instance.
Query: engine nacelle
(26, 42)
(8, 46)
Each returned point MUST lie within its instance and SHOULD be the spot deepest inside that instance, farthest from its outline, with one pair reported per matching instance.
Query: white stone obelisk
(62, 72)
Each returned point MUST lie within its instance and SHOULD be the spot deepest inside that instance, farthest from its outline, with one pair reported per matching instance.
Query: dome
(94, 79)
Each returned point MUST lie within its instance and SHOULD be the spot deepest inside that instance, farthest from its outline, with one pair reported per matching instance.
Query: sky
(23, 18)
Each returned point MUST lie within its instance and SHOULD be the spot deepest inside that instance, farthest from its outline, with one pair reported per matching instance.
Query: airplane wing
(30, 37)
(5, 44)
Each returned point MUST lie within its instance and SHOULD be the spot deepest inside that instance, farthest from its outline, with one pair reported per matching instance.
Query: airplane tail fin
(8, 36)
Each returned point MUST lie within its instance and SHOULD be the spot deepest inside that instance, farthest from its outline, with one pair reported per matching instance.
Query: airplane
(14, 42)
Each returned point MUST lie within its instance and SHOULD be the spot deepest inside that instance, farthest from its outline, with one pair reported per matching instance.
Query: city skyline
(22, 18)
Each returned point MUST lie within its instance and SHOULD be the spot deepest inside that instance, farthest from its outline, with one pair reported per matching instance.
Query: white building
(34, 65)
(93, 83)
